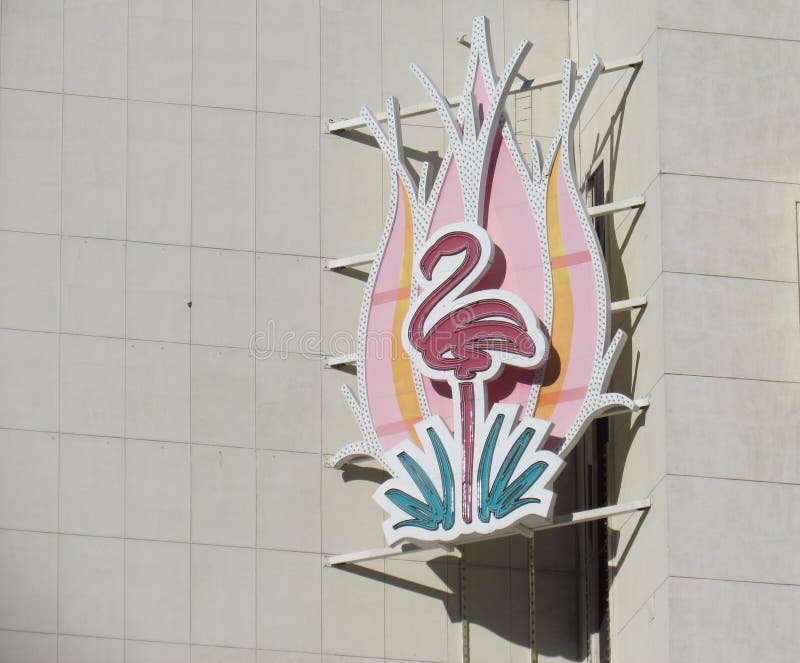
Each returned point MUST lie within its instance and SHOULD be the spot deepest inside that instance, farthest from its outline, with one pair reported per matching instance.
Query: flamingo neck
(451, 286)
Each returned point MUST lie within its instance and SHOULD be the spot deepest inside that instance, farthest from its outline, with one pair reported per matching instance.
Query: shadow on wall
(493, 575)
(496, 597)
(624, 427)
(487, 589)
(415, 157)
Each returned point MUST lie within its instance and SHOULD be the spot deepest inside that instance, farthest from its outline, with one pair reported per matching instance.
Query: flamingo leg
(467, 393)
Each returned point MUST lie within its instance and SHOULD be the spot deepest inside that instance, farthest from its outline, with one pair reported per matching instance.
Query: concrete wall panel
(160, 50)
(732, 621)
(224, 54)
(737, 17)
(731, 327)
(705, 79)
(95, 47)
(288, 56)
(159, 193)
(31, 45)
(730, 227)
(733, 428)
(30, 162)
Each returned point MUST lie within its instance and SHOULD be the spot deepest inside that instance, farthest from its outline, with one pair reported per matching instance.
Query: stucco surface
(168, 193)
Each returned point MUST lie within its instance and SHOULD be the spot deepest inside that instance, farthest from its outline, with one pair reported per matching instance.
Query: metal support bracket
(559, 521)
(616, 206)
(350, 261)
(340, 360)
(334, 264)
(628, 304)
(522, 86)
(383, 553)
(600, 513)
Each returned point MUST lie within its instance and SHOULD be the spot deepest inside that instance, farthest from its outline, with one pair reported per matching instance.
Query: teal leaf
(434, 510)
(505, 496)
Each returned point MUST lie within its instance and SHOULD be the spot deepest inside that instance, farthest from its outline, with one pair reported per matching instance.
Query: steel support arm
(559, 521)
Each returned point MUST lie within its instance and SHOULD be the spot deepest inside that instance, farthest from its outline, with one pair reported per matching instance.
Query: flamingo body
(471, 331)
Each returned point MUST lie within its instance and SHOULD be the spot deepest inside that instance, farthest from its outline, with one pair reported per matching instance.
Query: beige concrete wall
(727, 95)
(705, 132)
(157, 153)
(619, 133)
(166, 190)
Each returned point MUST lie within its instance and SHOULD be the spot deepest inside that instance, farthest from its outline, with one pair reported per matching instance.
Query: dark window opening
(593, 492)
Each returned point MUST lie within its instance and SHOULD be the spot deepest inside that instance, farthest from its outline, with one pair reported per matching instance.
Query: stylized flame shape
(581, 359)
(390, 398)
(546, 259)
(478, 158)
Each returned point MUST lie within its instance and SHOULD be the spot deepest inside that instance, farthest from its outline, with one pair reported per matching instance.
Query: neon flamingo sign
(493, 291)
(475, 334)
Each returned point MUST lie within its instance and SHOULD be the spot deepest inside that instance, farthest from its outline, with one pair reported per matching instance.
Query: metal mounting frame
(616, 206)
(350, 261)
(628, 304)
(559, 521)
(522, 86)
(334, 264)
(339, 360)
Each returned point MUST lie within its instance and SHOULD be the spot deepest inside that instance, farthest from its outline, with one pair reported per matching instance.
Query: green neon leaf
(505, 496)
(435, 510)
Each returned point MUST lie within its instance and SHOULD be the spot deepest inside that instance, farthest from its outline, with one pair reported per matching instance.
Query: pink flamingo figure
(466, 337)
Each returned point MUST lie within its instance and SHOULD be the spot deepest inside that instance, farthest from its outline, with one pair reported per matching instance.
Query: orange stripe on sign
(570, 259)
(401, 363)
(561, 336)
(555, 397)
(395, 295)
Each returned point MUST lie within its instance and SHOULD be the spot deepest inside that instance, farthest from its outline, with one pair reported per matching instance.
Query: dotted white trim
(470, 148)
